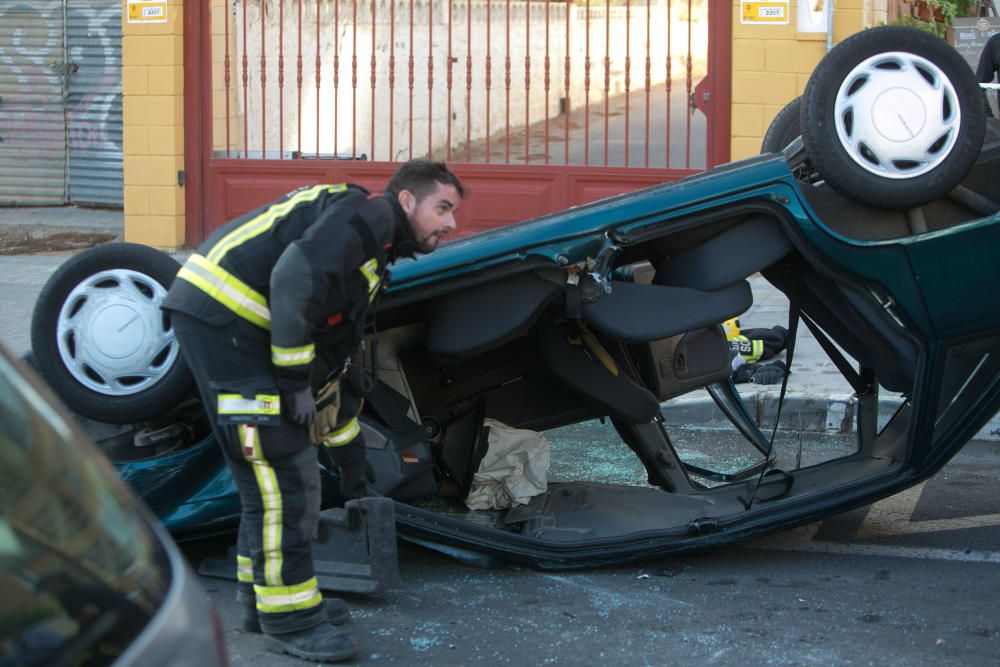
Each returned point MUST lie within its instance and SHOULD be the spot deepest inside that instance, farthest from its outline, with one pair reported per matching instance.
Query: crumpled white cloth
(514, 470)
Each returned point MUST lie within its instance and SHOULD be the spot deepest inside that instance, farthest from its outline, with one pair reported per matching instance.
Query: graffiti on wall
(31, 83)
(93, 113)
(60, 88)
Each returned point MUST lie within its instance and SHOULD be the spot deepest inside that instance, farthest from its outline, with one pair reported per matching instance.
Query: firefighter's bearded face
(432, 217)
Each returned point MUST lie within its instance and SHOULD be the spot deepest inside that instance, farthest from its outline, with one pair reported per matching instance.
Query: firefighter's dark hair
(420, 177)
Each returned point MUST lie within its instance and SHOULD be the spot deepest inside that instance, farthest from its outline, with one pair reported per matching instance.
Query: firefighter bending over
(252, 309)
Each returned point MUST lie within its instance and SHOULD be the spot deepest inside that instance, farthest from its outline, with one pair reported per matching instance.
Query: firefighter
(252, 309)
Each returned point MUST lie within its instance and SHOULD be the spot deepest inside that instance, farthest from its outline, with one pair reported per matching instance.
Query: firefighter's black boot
(320, 643)
(336, 613)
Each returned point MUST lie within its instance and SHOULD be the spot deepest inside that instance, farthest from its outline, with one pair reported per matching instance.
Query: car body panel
(87, 568)
(918, 287)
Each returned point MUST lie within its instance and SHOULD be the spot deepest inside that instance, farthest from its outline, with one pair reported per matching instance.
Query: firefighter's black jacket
(306, 268)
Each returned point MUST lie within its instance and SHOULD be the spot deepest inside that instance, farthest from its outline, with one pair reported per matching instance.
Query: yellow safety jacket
(303, 269)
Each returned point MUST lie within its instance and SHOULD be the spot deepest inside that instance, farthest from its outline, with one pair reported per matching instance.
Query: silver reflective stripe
(292, 356)
(343, 435)
(290, 600)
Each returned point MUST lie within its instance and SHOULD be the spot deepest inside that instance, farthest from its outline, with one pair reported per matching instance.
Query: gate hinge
(180, 178)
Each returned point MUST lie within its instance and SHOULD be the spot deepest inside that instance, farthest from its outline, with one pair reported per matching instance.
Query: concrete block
(136, 200)
(166, 140)
(152, 170)
(744, 147)
(166, 79)
(166, 200)
(801, 412)
(134, 81)
(846, 22)
(142, 49)
(153, 110)
(763, 87)
(748, 55)
(135, 140)
(792, 55)
(760, 32)
(159, 231)
(747, 120)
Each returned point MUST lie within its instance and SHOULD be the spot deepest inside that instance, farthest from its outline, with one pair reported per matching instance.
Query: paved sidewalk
(818, 397)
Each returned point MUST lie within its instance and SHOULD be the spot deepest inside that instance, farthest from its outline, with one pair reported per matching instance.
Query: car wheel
(100, 339)
(784, 129)
(892, 118)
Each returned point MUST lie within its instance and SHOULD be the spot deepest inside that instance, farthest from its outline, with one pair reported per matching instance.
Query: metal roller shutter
(94, 101)
(32, 119)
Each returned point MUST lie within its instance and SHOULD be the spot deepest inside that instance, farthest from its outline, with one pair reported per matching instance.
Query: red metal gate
(537, 104)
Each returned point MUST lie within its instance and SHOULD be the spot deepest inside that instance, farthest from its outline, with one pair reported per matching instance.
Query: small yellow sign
(147, 11)
(774, 12)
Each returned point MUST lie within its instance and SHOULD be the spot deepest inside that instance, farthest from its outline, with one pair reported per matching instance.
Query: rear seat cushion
(636, 313)
(477, 319)
(728, 257)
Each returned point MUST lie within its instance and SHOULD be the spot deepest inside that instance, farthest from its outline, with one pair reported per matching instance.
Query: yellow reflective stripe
(270, 496)
(731, 327)
(370, 271)
(276, 599)
(227, 289)
(343, 435)
(263, 222)
(261, 404)
(293, 356)
(750, 350)
(244, 568)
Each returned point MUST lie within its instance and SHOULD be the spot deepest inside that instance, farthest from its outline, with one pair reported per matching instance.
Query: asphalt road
(911, 580)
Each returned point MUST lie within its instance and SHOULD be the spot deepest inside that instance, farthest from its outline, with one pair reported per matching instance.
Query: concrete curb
(811, 412)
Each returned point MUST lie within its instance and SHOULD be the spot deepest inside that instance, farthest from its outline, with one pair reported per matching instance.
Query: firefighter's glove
(299, 406)
(769, 373)
(355, 471)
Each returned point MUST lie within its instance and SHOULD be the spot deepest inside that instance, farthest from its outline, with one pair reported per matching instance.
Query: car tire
(784, 129)
(100, 340)
(922, 126)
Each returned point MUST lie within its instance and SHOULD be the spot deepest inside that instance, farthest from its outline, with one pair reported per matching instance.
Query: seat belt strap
(844, 366)
(793, 326)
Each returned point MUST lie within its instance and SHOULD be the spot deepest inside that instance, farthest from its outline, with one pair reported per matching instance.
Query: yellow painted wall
(772, 64)
(153, 128)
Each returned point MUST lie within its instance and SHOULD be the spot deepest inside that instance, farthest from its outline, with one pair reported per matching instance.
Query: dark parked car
(880, 224)
(88, 576)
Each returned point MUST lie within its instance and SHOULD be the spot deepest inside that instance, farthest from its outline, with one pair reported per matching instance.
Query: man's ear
(407, 200)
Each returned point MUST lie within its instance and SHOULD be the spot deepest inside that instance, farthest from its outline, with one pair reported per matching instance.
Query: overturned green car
(880, 224)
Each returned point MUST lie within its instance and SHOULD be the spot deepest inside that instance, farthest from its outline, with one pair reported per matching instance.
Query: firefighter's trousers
(273, 463)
